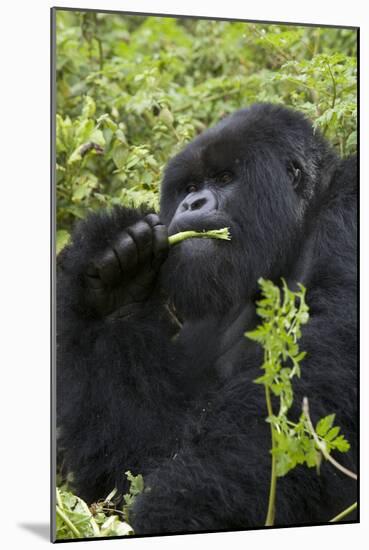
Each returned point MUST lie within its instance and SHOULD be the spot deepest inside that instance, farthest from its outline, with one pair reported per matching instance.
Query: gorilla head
(257, 172)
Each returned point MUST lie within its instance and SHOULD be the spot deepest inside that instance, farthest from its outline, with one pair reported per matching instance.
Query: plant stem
(269, 521)
(320, 444)
(101, 55)
(67, 522)
(334, 94)
(211, 234)
(344, 513)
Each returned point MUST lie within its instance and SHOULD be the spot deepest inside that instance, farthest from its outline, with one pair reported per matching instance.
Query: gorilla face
(256, 173)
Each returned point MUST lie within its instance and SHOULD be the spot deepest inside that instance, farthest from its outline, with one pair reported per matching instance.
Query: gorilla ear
(295, 173)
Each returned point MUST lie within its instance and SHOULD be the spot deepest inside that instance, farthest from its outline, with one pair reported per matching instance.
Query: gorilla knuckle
(141, 233)
(152, 219)
(126, 250)
(108, 267)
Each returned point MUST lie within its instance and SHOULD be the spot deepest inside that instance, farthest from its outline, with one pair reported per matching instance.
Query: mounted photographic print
(205, 335)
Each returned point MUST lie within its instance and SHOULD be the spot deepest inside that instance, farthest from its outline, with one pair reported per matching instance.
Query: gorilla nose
(193, 211)
(203, 200)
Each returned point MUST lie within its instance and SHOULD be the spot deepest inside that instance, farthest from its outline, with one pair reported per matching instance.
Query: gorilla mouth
(215, 222)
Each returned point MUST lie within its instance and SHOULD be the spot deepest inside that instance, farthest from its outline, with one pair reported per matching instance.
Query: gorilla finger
(109, 268)
(126, 250)
(152, 219)
(141, 233)
(160, 243)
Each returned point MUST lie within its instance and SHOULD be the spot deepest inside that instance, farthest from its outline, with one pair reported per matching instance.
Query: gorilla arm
(113, 351)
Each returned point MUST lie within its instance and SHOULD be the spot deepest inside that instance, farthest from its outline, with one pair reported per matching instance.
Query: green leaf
(62, 239)
(304, 317)
(341, 444)
(167, 117)
(352, 141)
(262, 379)
(136, 487)
(84, 130)
(332, 434)
(89, 108)
(134, 160)
(324, 425)
(256, 335)
(119, 154)
(97, 136)
(108, 122)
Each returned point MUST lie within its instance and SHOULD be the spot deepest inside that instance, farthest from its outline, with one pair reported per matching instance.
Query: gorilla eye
(191, 188)
(225, 177)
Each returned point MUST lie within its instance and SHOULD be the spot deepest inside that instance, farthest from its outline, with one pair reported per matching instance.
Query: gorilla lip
(215, 223)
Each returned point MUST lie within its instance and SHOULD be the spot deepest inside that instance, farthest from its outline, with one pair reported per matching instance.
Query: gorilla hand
(124, 274)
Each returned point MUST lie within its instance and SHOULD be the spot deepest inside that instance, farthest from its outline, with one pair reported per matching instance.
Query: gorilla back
(154, 372)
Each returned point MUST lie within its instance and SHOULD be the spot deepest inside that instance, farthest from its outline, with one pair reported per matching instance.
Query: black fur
(167, 390)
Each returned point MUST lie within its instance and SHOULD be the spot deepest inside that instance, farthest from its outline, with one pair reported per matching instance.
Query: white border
(24, 307)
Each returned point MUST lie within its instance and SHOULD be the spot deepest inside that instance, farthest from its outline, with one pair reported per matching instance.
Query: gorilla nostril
(197, 204)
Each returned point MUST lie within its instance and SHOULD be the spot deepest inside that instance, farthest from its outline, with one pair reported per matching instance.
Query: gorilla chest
(214, 350)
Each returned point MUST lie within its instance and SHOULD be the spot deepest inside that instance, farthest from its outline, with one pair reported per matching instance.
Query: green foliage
(329, 435)
(62, 239)
(283, 313)
(278, 336)
(132, 91)
(136, 487)
(74, 519)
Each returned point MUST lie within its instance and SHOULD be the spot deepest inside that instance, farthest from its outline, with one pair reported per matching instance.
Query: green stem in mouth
(211, 234)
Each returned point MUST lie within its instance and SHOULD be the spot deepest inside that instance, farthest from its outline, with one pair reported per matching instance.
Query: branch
(211, 234)
(269, 521)
(334, 87)
(321, 446)
(344, 513)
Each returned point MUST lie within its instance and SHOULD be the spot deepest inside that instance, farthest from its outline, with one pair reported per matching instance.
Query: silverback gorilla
(154, 372)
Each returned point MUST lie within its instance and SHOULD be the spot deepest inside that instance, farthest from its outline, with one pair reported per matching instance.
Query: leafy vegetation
(75, 519)
(283, 313)
(135, 488)
(132, 91)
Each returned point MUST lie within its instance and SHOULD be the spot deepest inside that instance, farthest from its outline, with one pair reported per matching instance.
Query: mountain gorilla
(154, 372)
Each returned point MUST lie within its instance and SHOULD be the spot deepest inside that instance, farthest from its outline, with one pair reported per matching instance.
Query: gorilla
(154, 373)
